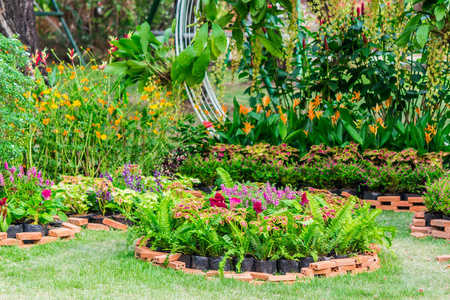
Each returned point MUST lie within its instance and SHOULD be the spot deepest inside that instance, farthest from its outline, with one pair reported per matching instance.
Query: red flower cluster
(218, 201)
(3, 202)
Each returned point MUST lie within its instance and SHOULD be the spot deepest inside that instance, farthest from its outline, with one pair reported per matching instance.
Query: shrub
(437, 196)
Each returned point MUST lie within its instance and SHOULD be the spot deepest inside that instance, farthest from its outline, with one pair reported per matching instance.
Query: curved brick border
(439, 228)
(66, 232)
(329, 268)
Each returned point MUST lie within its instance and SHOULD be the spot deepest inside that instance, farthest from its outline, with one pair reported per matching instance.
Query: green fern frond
(226, 178)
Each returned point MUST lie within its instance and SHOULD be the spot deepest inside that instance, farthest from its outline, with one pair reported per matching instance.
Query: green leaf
(201, 38)
(439, 12)
(116, 68)
(201, 64)
(219, 37)
(186, 57)
(238, 36)
(269, 45)
(353, 132)
(144, 34)
(422, 35)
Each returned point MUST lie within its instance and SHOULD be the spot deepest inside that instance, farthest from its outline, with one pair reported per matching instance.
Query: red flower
(218, 201)
(207, 124)
(3, 201)
(257, 207)
(304, 199)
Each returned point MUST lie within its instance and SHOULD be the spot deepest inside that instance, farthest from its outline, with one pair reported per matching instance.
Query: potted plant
(436, 199)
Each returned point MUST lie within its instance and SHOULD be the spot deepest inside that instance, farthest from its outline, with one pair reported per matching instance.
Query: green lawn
(100, 265)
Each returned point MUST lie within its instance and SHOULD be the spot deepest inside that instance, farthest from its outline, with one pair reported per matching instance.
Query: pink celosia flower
(46, 194)
(304, 199)
(207, 124)
(234, 202)
(257, 207)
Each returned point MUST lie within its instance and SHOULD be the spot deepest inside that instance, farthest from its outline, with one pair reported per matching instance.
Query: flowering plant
(437, 196)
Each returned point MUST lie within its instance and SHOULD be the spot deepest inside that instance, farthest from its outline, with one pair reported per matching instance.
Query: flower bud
(326, 44)
(304, 43)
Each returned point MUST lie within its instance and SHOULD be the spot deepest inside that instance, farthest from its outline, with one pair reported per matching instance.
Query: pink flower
(2, 180)
(207, 124)
(46, 194)
(218, 201)
(234, 202)
(6, 166)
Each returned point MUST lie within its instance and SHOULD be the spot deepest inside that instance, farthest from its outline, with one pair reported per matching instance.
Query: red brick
(176, 265)
(447, 229)
(258, 275)
(346, 268)
(424, 229)
(440, 223)
(360, 259)
(145, 252)
(388, 198)
(60, 232)
(401, 203)
(212, 273)
(368, 263)
(346, 194)
(375, 247)
(11, 242)
(298, 275)
(373, 267)
(344, 262)
(386, 207)
(418, 208)
(308, 272)
(325, 272)
(415, 199)
(440, 234)
(282, 278)
(95, 226)
(29, 236)
(372, 202)
(419, 215)
(193, 271)
(418, 222)
(419, 235)
(321, 265)
(240, 277)
(443, 258)
(47, 239)
(78, 221)
(256, 282)
(74, 228)
(336, 273)
(3, 235)
(114, 224)
(159, 259)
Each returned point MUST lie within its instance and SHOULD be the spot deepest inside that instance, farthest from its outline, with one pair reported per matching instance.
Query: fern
(226, 178)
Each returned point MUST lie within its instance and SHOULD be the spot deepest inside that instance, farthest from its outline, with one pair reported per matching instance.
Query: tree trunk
(17, 17)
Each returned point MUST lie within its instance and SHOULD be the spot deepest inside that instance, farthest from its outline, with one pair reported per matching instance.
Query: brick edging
(439, 228)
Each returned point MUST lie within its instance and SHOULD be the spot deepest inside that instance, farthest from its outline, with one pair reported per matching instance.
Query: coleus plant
(210, 40)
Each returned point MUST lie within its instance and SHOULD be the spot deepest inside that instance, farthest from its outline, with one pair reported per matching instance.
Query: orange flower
(149, 88)
(76, 103)
(428, 137)
(144, 97)
(418, 111)
(45, 121)
(244, 110)
(306, 132)
(335, 117)
(98, 134)
(268, 113)
(338, 97)
(381, 122)
(356, 96)
(279, 109)
(258, 108)
(283, 118)
(248, 127)
(296, 102)
(317, 100)
(65, 133)
(319, 114)
(265, 100)
(311, 115)
(86, 88)
(431, 129)
(224, 108)
(377, 108)
(373, 128)
(111, 110)
(49, 70)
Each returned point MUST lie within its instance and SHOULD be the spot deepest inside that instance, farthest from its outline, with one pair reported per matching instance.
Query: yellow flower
(86, 88)
(111, 109)
(103, 136)
(376, 108)
(119, 136)
(428, 137)
(248, 127)
(61, 67)
(154, 106)
(319, 114)
(65, 97)
(94, 67)
(338, 97)
(155, 131)
(149, 88)
(266, 100)
(54, 106)
(76, 103)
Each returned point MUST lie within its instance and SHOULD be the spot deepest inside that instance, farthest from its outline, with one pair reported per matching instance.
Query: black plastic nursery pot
(200, 262)
(206, 189)
(215, 261)
(187, 259)
(35, 228)
(97, 218)
(335, 191)
(304, 262)
(247, 265)
(367, 195)
(123, 220)
(13, 229)
(445, 217)
(431, 216)
(87, 216)
(56, 223)
(350, 191)
(266, 266)
(287, 266)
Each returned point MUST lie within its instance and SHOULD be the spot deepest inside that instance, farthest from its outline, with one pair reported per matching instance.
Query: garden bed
(327, 267)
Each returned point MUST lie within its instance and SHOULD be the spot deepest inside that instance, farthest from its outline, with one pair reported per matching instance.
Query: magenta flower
(2, 180)
(234, 202)
(6, 166)
(257, 207)
(207, 124)
(46, 194)
(218, 201)
(304, 199)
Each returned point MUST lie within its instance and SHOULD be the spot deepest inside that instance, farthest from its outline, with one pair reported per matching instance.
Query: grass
(100, 265)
